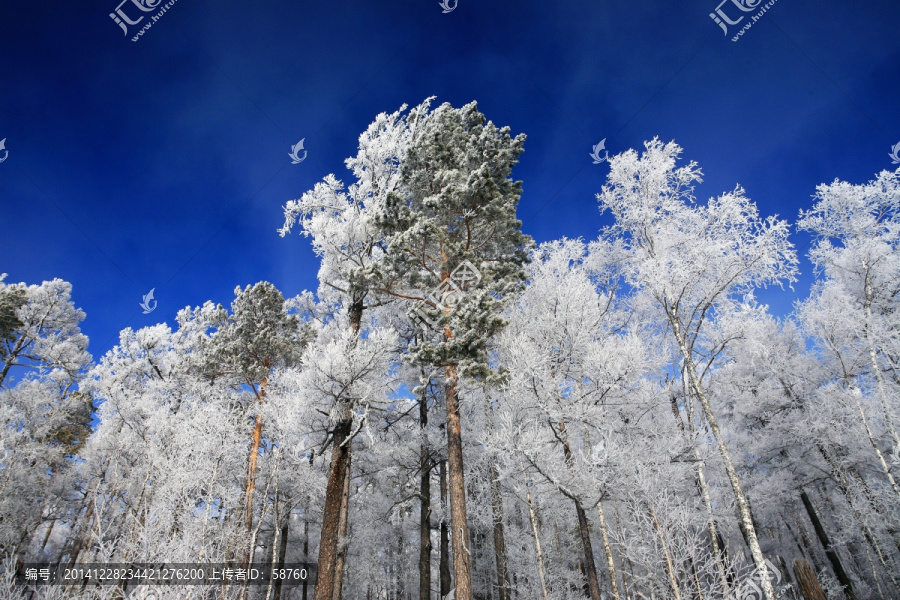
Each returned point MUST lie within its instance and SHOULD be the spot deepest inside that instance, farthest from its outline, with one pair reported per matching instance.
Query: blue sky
(163, 163)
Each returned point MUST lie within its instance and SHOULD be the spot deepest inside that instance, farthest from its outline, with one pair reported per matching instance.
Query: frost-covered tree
(690, 258)
(341, 223)
(40, 329)
(249, 345)
(570, 357)
(857, 238)
(42, 416)
(453, 244)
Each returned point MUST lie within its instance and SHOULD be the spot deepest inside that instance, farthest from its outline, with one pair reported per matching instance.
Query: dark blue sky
(163, 163)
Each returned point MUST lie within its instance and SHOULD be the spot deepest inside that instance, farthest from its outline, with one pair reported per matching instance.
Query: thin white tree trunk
(537, 537)
(743, 506)
(873, 357)
(609, 555)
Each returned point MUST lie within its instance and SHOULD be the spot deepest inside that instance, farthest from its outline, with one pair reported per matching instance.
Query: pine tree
(451, 227)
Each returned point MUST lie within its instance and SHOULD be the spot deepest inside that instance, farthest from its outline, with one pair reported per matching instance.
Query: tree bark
(306, 550)
(584, 530)
(327, 572)
(701, 483)
(340, 564)
(670, 567)
(446, 581)
(251, 471)
(807, 580)
(833, 558)
(457, 489)
(424, 507)
(331, 518)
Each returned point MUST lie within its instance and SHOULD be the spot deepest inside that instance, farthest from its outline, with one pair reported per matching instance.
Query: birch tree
(689, 258)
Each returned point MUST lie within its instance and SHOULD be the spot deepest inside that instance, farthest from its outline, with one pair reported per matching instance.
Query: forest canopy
(459, 411)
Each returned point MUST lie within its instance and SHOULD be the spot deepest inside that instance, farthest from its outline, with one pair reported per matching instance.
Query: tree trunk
(251, 471)
(424, 507)
(807, 580)
(743, 505)
(499, 536)
(670, 567)
(873, 357)
(446, 580)
(583, 529)
(610, 563)
(276, 546)
(282, 554)
(537, 538)
(500, 554)
(343, 542)
(327, 572)
(457, 489)
(833, 557)
(701, 483)
(331, 518)
(306, 550)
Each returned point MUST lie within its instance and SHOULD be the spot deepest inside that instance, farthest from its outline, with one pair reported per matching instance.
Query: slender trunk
(702, 487)
(334, 491)
(670, 567)
(250, 486)
(254, 534)
(499, 536)
(276, 546)
(457, 489)
(871, 436)
(873, 357)
(424, 507)
(305, 591)
(537, 538)
(833, 557)
(625, 561)
(610, 563)
(500, 554)
(251, 470)
(741, 499)
(282, 555)
(446, 580)
(343, 541)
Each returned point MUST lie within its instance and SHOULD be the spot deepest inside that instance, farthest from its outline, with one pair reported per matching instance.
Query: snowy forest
(460, 413)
